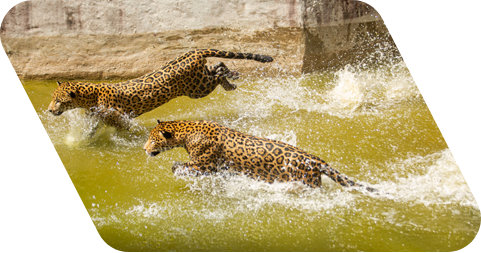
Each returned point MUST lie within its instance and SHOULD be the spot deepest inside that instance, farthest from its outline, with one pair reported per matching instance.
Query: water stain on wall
(73, 20)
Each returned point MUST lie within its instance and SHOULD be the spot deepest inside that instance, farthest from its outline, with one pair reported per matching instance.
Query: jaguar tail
(341, 179)
(233, 55)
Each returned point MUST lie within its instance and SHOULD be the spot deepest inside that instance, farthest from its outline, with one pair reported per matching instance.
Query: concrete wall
(114, 17)
(118, 39)
(121, 39)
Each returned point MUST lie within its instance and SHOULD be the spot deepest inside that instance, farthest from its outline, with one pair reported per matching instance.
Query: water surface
(371, 125)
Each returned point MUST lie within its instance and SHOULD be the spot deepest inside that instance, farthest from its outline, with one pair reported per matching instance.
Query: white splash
(434, 179)
(74, 129)
(348, 92)
(352, 91)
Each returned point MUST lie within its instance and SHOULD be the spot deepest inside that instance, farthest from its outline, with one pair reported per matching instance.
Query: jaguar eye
(152, 142)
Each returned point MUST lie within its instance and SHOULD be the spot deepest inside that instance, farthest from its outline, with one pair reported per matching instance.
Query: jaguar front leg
(113, 117)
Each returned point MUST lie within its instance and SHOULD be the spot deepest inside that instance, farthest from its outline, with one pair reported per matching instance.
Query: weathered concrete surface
(98, 57)
(73, 17)
(122, 39)
(119, 39)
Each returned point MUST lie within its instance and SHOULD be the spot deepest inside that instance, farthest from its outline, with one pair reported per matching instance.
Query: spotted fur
(212, 147)
(185, 76)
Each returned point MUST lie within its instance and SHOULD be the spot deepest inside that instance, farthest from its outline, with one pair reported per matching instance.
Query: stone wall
(119, 39)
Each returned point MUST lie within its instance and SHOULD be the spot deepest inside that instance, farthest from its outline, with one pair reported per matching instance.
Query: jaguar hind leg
(220, 70)
(208, 79)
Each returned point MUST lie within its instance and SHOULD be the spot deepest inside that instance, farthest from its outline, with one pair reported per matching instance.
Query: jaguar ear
(58, 83)
(158, 121)
(166, 135)
(72, 94)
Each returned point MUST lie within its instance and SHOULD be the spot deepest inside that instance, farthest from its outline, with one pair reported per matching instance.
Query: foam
(350, 92)
(74, 129)
(434, 179)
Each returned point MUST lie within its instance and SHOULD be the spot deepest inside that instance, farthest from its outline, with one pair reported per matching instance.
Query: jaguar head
(64, 98)
(161, 138)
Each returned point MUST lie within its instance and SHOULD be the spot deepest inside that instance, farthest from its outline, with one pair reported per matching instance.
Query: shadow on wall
(444, 30)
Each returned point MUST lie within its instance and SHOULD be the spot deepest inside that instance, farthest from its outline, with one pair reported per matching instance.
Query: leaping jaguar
(185, 76)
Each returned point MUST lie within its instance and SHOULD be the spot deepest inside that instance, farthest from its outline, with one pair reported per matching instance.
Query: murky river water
(372, 125)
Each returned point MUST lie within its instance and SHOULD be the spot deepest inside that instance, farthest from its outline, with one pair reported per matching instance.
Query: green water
(371, 125)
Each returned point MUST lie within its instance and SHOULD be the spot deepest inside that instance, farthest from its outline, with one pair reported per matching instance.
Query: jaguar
(116, 103)
(213, 147)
